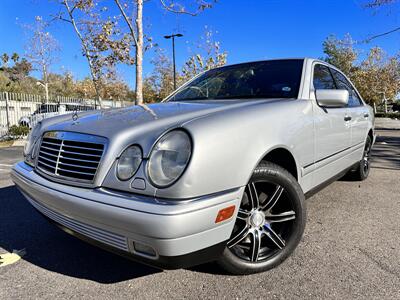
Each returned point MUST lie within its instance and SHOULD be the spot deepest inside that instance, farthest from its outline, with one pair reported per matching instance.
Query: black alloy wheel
(269, 224)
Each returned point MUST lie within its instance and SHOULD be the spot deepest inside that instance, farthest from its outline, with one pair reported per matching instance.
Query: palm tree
(5, 59)
(15, 57)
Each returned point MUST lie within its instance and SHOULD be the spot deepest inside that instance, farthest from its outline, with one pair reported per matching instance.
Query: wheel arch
(371, 135)
(283, 157)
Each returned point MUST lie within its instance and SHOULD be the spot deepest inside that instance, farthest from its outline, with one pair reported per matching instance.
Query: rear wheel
(361, 171)
(269, 224)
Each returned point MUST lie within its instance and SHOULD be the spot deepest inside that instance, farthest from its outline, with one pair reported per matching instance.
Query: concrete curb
(19, 143)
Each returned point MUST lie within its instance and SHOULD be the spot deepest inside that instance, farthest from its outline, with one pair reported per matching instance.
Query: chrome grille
(70, 155)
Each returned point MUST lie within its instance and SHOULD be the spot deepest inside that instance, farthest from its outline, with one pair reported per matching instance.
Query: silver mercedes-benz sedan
(217, 172)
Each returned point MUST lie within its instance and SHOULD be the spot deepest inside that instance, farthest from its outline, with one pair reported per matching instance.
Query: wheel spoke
(366, 157)
(254, 202)
(282, 217)
(273, 236)
(255, 245)
(240, 236)
(274, 198)
(242, 214)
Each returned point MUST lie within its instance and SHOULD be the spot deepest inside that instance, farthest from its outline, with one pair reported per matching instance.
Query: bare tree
(137, 38)
(70, 7)
(94, 36)
(208, 55)
(135, 25)
(41, 50)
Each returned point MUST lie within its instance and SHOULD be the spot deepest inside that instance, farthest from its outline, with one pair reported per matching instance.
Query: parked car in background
(48, 110)
(218, 171)
(396, 106)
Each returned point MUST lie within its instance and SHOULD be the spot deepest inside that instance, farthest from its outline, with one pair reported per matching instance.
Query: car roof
(305, 59)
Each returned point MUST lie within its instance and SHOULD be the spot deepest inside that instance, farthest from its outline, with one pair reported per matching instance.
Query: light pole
(173, 52)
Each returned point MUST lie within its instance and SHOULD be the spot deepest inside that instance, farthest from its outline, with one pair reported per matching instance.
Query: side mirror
(332, 98)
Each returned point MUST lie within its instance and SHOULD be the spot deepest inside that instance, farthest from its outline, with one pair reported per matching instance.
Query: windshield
(266, 79)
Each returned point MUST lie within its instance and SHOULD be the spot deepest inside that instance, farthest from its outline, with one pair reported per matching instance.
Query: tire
(271, 225)
(361, 171)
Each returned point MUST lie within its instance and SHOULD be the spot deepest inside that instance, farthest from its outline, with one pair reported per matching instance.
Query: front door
(332, 131)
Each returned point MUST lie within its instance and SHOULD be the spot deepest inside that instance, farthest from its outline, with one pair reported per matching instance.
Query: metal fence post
(7, 112)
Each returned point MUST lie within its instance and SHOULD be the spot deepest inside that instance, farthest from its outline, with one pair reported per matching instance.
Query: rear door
(356, 108)
(332, 128)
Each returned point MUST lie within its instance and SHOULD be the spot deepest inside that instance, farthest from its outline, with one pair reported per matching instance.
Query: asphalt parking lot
(350, 249)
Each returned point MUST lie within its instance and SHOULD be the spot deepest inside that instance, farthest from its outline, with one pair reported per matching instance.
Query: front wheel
(269, 224)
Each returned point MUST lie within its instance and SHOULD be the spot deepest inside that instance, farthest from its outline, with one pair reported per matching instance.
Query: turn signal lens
(225, 214)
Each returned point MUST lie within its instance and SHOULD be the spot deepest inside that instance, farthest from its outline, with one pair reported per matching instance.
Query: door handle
(366, 115)
(347, 118)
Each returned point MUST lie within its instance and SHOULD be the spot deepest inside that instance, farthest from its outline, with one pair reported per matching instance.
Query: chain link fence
(17, 109)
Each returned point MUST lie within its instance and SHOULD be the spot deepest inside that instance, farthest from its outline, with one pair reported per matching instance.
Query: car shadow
(210, 268)
(48, 247)
(385, 153)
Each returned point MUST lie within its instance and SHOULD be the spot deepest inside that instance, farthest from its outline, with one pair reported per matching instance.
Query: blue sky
(248, 30)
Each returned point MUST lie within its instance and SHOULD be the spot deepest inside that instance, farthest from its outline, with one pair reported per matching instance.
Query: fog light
(225, 214)
(144, 249)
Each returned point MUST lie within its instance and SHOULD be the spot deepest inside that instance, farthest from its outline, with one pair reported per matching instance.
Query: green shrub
(17, 131)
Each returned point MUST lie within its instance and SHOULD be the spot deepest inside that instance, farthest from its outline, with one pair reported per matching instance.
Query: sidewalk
(387, 123)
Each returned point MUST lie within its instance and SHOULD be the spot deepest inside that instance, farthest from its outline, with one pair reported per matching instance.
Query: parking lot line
(6, 165)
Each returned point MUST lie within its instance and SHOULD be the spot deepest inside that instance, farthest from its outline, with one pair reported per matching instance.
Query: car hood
(110, 121)
(140, 123)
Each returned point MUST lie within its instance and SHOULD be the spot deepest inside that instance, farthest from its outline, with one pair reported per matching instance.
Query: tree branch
(170, 8)
(59, 17)
(85, 48)
(182, 11)
(381, 34)
(377, 3)
(128, 21)
(73, 8)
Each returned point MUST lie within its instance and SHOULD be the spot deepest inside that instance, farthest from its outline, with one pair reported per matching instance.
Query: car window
(343, 84)
(47, 108)
(42, 109)
(71, 107)
(323, 79)
(266, 79)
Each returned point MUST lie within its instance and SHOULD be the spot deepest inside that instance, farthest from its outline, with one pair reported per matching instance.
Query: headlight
(129, 162)
(28, 145)
(31, 139)
(31, 155)
(169, 158)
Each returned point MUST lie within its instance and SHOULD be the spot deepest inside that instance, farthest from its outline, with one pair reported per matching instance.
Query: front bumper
(181, 233)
